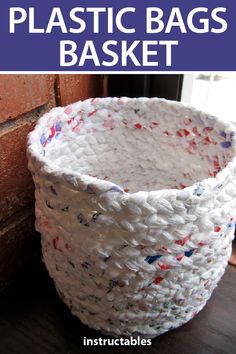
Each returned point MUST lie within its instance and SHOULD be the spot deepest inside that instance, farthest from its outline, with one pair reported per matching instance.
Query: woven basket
(135, 202)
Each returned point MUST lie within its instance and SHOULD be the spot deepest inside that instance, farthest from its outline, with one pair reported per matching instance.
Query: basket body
(131, 259)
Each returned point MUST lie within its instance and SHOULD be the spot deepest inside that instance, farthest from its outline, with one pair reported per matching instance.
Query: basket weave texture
(135, 202)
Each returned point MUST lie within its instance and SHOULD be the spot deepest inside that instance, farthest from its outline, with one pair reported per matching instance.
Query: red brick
(16, 187)
(22, 93)
(72, 88)
(19, 244)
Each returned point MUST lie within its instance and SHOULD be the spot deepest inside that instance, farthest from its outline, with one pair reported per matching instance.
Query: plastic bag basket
(135, 202)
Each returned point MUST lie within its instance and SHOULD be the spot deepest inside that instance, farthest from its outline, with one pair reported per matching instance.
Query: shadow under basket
(135, 202)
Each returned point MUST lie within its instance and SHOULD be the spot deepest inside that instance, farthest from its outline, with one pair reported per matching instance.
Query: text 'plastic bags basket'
(135, 202)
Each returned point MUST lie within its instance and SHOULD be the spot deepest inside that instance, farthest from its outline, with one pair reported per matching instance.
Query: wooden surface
(33, 320)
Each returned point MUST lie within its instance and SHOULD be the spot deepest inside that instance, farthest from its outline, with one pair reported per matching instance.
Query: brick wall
(23, 99)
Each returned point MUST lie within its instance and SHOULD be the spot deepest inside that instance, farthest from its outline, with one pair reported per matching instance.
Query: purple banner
(118, 36)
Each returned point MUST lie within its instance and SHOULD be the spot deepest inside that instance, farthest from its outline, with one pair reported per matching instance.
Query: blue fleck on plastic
(231, 225)
(151, 259)
(188, 253)
(226, 144)
(58, 126)
(43, 139)
(223, 134)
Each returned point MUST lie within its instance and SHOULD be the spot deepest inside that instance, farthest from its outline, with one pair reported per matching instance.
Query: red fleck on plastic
(201, 244)
(217, 229)
(186, 132)
(138, 126)
(92, 113)
(187, 121)
(216, 165)
(207, 129)
(163, 249)
(163, 266)
(55, 243)
(70, 120)
(76, 128)
(196, 132)
(179, 257)
(68, 110)
(182, 132)
(126, 190)
(183, 241)
(207, 141)
(182, 185)
(158, 280)
(155, 124)
(179, 133)
(193, 144)
(53, 131)
(168, 133)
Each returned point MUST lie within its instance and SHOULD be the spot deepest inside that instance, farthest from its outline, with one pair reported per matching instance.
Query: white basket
(135, 202)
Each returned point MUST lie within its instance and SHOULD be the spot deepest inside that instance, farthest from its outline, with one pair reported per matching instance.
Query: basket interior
(139, 144)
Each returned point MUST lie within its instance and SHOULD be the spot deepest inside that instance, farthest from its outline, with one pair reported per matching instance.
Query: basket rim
(81, 182)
